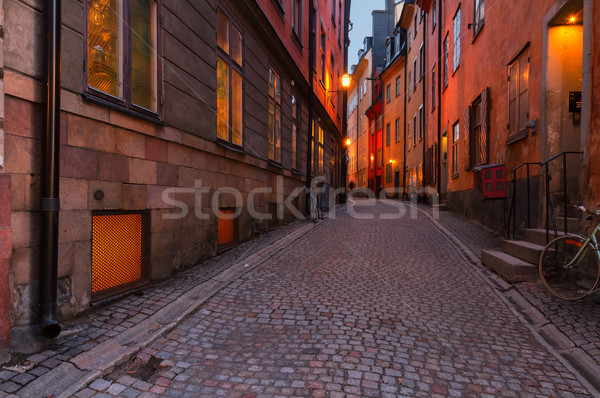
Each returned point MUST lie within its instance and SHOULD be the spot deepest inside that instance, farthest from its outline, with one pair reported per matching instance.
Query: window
(388, 134)
(379, 158)
(297, 18)
(282, 5)
(379, 122)
(397, 130)
(320, 149)
(323, 51)
(388, 93)
(421, 122)
(415, 24)
(409, 139)
(341, 29)
(122, 64)
(433, 93)
(274, 116)
(229, 80)
(398, 86)
(415, 130)
(445, 70)
(479, 16)
(415, 72)
(476, 125)
(397, 47)
(409, 84)
(388, 173)
(455, 137)
(372, 161)
(409, 39)
(315, 35)
(518, 93)
(422, 64)
(295, 129)
(333, 11)
(434, 15)
(456, 53)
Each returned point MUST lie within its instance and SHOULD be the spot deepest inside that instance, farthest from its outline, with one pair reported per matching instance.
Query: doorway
(564, 95)
(444, 168)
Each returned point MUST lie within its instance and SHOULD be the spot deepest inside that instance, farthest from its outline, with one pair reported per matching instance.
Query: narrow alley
(356, 307)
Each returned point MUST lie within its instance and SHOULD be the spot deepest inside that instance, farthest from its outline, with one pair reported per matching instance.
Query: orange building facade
(508, 86)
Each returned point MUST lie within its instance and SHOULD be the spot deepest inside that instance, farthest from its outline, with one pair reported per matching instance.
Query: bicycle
(570, 265)
(314, 210)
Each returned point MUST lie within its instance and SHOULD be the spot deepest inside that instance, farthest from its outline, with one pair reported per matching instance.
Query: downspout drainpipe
(439, 108)
(424, 87)
(405, 94)
(50, 204)
(311, 62)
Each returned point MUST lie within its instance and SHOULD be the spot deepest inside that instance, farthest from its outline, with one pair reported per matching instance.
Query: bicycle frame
(590, 239)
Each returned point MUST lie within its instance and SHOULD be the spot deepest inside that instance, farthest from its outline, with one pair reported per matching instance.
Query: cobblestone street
(357, 307)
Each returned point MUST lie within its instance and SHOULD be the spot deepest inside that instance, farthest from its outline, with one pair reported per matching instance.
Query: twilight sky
(360, 16)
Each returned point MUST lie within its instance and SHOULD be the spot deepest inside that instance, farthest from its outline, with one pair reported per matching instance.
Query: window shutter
(468, 140)
(485, 127)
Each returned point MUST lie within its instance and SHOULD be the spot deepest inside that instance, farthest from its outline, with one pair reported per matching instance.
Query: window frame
(276, 107)
(388, 93)
(421, 129)
(446, 65)
(422, 61)
(125, 103)
(415, 77)
(456, 46)
(415, 130)
(478, 20)
(433, 86)
(515, 133)
(240, 69)
(455, 149)
(388, 134)
(296, 117)
(296, 19)
(398, 86)
(397, 130)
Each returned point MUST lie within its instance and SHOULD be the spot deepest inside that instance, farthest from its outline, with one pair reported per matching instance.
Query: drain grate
(119, 252)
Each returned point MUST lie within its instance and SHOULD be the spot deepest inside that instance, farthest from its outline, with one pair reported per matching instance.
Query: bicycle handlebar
(583, 209)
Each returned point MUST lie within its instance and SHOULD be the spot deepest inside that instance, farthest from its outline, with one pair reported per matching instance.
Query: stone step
(538, 236)
(510, 268)
(526, 251)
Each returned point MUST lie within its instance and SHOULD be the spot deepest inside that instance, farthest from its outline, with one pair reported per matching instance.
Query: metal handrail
(513, 207)
(559, 155)
(549, 209)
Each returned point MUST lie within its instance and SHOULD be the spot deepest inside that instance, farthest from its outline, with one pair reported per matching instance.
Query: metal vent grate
(119, 252)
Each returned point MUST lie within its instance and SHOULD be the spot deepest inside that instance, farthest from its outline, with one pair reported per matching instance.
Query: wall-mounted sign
(575, 102)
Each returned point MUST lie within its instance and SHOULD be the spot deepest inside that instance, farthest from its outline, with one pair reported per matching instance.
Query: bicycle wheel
(568, 269)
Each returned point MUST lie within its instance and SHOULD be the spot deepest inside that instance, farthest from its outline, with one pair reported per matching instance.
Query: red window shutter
(468, 138)
(485, 127)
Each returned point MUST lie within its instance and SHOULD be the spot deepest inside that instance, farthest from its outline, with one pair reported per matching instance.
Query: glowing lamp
(346, 79)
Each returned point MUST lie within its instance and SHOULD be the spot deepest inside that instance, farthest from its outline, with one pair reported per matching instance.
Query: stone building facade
(182, 124)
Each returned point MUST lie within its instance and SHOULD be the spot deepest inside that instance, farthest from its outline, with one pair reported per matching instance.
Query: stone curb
(581, 363)
(74, 375)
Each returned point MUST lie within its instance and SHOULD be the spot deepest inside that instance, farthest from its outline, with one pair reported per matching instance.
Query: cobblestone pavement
(579, 321)
(356, 308)
(105, 322)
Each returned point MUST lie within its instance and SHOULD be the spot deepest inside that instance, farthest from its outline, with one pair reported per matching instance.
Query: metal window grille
(120, 251)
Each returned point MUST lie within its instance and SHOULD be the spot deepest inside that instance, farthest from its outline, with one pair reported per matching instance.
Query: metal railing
(513, 206)
(565, 196)
(550, 217)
